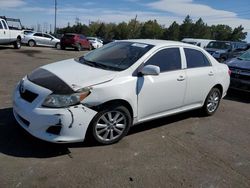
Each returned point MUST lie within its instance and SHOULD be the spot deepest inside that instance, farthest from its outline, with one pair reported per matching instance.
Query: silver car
(41, 39)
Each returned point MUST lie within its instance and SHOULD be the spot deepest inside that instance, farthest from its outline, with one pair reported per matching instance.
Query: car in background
(198, 42)
(26, 32)
(240, 72)
(10, 32)
(106, 91)
(76, 41)
(41, 39)
(95, 42)
(220, 50)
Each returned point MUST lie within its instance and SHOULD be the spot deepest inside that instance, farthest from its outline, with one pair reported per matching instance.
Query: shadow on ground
(15, 141)
(238, 96)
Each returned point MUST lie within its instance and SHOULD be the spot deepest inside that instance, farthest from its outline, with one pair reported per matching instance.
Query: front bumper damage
(58, 125)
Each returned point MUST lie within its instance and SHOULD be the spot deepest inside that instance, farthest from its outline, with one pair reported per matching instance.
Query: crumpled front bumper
(70, 123)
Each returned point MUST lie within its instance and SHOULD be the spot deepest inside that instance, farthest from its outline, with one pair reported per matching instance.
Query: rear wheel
(111, 124)
(212, 102)
(31, 43)
(17, 44)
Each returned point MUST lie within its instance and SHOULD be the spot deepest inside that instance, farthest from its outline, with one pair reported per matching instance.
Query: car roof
(160, 43)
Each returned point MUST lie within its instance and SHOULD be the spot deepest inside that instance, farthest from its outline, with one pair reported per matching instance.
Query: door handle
(180, 78)
(4, 32)
(210, 73)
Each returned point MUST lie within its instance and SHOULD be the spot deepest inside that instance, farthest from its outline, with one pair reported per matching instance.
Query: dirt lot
(184, 150)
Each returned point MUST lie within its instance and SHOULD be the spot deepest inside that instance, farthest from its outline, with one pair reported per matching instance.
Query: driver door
(158, 95)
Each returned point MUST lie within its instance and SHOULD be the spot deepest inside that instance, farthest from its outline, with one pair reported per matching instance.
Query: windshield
(116, 55)
(219, 45)
(245, 56)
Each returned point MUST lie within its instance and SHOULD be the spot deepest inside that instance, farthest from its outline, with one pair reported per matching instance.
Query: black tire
(17, 44)
(78, 47)
(32, 43)
(212, 102)
(58, 46)
(90, 47)
(95, 131)
(222, 59)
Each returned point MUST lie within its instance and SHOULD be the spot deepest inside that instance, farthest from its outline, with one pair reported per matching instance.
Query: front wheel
(17, 44)
(78, 47)
(212, 102)
(111, 124)
(58, 46)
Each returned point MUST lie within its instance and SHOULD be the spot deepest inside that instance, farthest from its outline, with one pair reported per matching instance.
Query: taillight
(229, 72)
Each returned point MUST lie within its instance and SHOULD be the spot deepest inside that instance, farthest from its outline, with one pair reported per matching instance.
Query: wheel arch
(220, 87)
(116, 102)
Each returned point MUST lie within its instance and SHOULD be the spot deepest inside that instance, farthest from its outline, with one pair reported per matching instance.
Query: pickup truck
(10, 32)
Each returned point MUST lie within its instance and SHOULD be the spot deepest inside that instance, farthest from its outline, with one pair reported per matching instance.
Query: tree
(151, 29)
(200, 30)
(186, 28)
(221, 32)
(173, 32)
(238, 34)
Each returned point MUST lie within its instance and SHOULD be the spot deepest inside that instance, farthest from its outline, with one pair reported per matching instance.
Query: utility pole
(55, 15)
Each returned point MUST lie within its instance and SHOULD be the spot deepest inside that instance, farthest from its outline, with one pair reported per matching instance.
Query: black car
(240, 72)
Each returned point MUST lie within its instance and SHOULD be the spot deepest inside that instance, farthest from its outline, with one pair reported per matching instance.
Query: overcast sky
(33, 12)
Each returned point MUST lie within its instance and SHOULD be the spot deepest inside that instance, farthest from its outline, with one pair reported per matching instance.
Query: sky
(34, 12)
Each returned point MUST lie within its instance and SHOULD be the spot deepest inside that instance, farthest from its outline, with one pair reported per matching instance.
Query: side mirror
(150, 70)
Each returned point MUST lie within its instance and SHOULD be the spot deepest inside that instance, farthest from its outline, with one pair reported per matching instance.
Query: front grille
(28, 95)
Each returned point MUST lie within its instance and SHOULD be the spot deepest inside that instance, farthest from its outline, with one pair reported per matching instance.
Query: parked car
(221, 50)
(76, 41)
(105, 92)
(10, 34)
(95, 42)
(240, 72)
(41, 39)
(198, 42)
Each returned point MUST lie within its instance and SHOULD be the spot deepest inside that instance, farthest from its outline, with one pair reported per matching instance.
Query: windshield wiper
(239, 58)
(98, 65)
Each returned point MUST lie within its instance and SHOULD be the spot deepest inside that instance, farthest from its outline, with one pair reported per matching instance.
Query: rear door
(200, 77)
(4, 32)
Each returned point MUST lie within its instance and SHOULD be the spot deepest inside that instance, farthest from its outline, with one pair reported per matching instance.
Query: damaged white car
(105, 92)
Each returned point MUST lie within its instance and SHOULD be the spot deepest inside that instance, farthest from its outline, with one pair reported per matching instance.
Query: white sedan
(95, 42)
(105, 92)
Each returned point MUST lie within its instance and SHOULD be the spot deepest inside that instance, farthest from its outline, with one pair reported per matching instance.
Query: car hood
(77, 75)
(215, 50)
(237, 63)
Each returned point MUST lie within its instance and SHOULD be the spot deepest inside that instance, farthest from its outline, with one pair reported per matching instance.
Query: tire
(58, 46)
(222, 60)
(31, 43)
(78, 47)
(90, 47)
(212, 102)
(17, 44)
(113, 121)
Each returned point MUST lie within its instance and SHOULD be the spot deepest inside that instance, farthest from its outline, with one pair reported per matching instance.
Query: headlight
(59, 101)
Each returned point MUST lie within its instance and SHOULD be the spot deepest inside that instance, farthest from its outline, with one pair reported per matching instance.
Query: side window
(1, 25)
(82, 37)
(4, 24)
(167, 59)
(47, 36)
(38, 34)
(196, 58)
